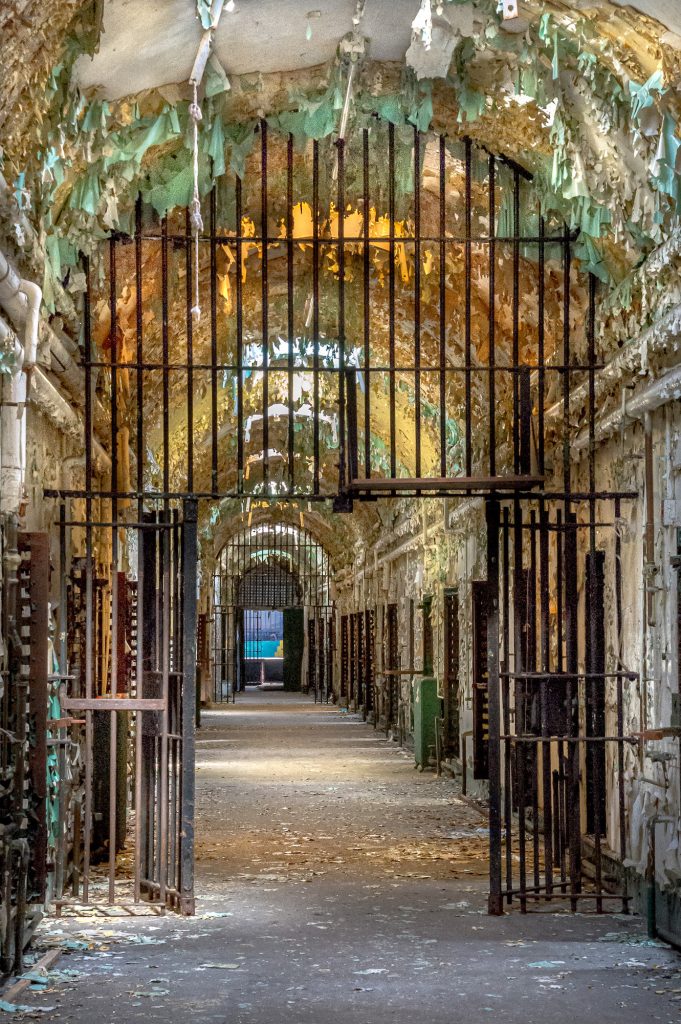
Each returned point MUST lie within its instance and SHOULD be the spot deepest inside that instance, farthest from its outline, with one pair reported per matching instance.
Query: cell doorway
(272, 613)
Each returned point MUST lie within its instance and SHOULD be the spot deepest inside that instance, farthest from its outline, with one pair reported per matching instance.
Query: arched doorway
(266, 569)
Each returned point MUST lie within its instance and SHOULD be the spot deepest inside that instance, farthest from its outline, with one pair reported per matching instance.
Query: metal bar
(64, 794)
(515, 346)
(189, 327)
(417, 302)
(213, 340)
(165, 350)
(289, 303)
(238, 201)
(505, 706)
(89, 572)
(164, 637)
(495, 901)
(315, 317)
(113, 704)
(189, 569)
(541, 284)
(571, 651)
(622, 830)
(265, 311)
(554, 241)
(391, 300)
(340, 144)
(491, 322)
(442, 310)
(366, 270)
(467, 307)
(113, 310)
(461, 483)
(545, 663)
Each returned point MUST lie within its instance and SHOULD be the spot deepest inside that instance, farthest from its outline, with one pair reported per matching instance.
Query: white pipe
(21, 300)
(658, 392)
(12, 429)
(50, 402)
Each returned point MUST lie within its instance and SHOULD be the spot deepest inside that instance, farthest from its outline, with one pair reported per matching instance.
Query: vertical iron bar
(213, 342)
(533, 750)
(315, 315)
(545, 695)
(540, 345)
(467, 300)
(367, 312)
(495, 902)
(340, 143)
(491, 321)
(189, 572)
(265, 310)
(89, 569)
(620, 702)
(139, 768)
(442, 311)
(572, 666)
(417, 302)
(165, 356)
(516, 318)
(165, 714)
(239, 337)
(506, 709)
(391, 299)
(289, 297)
(189, 291)
(114, 565)
(63, 791)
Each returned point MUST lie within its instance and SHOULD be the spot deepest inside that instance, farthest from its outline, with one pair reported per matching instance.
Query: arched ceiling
(266, 36)
(94, 107)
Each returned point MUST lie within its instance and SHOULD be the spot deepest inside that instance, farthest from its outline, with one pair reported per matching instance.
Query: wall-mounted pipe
(12, 426)
(53, 405)
(656, 394)
(21, 301)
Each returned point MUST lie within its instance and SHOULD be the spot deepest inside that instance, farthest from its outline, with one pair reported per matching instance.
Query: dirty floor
(337, 885)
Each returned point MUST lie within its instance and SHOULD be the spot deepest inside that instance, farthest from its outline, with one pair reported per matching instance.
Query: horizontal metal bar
(567, 676)
(512, 738)
(118, 525)
(113, 704)
(460, 483)
(275, 367)
(179, 495)
(541, 892)
(382, 240)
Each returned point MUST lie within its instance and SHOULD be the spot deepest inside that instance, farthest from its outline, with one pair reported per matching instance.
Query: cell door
(130, 706)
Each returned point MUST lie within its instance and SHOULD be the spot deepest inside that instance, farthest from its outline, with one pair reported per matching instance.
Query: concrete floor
(339, 886)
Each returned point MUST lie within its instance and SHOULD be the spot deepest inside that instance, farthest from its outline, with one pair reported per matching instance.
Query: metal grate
(341, 355)
(266, 566)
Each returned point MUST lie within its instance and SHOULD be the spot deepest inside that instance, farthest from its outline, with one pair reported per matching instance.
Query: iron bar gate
(404, 327)
(339, 356)
(270, 566)
(137, 708)
(556, 684)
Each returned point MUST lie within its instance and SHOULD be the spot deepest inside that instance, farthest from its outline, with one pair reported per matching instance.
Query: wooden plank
(44, 964)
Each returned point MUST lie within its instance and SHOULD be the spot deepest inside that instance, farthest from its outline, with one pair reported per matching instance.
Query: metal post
(495, 903)
(189, 573)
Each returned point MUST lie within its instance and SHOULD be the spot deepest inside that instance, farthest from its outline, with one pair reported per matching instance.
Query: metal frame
(339, 264)
(268, 566)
